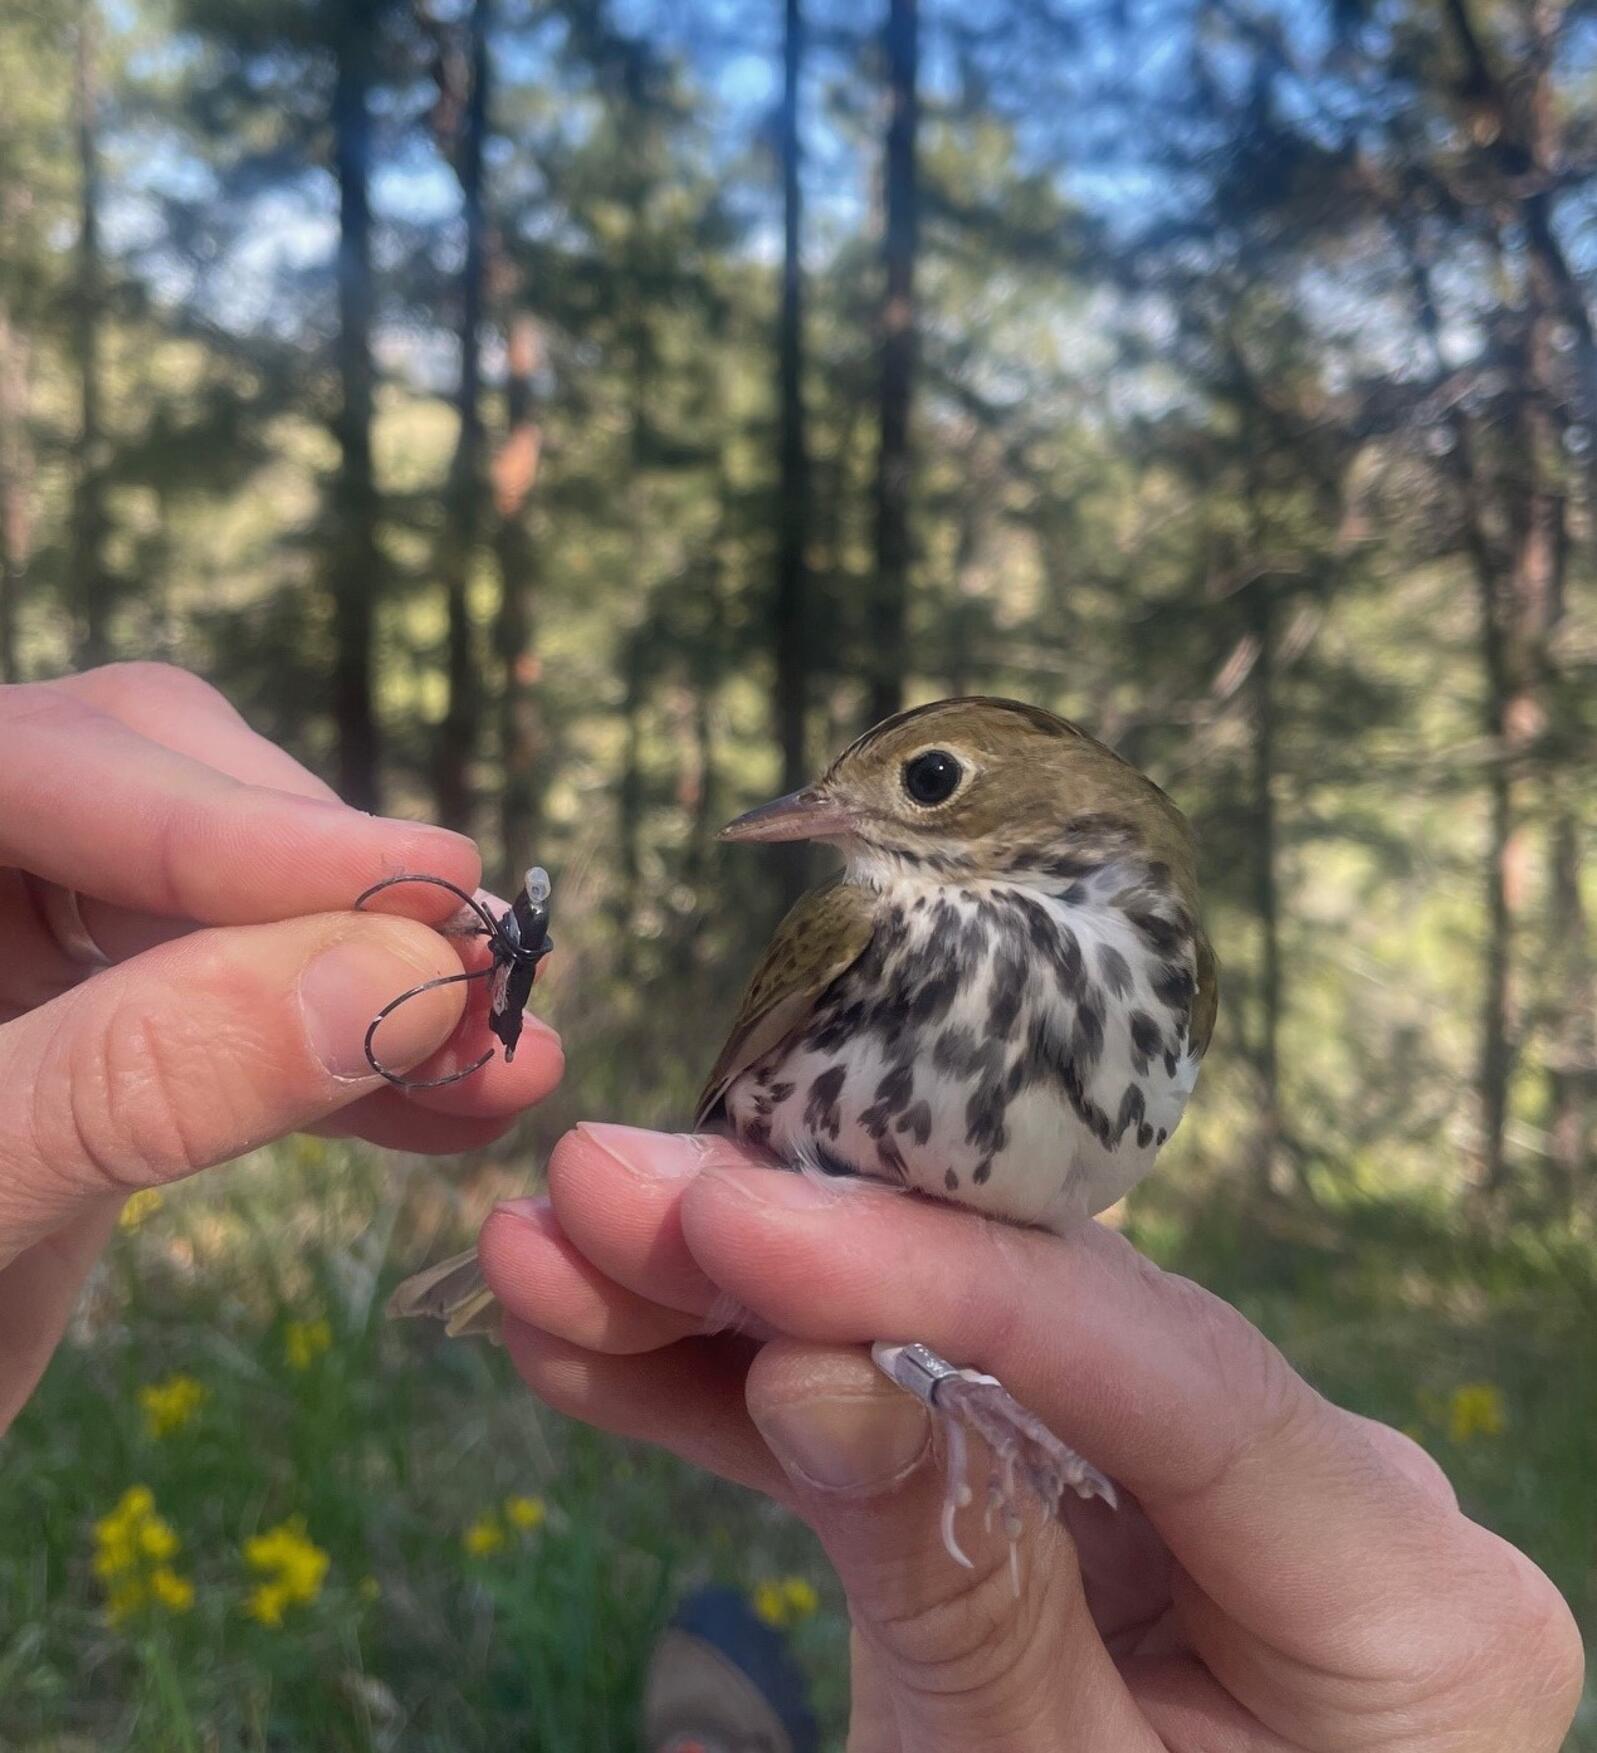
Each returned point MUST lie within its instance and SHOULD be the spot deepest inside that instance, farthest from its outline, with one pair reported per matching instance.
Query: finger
(388, 1121)
(968, 1662)
(155, 831)
(1192, 1712)
(687, 1399)
(1249, 1475)
(1278, 1506)
(199, 1051)
(178, 710)
(38, 1292)
(620, 1188)
(175, 708)
(872, 1720)
(497, 1092)
(498, 1087)
(618, 1192)
(502, 1087)
(171, 707)
(464, 1116)
(545, 1281)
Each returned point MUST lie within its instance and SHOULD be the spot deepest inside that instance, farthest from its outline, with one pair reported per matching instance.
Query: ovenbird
(1001, 1001)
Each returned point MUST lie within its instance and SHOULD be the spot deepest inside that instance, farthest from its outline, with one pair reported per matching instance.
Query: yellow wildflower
(1476, 1409)
(781, 1600)
(140, 1208)
(484, 1537)
(525, 1513)
(112, 1558)
(171, 1404)
(129, 1532)
(132, 1558)
(157, 1541)
(174, 1592)
(305, 1341)
(266, 1603)
(294, 1566)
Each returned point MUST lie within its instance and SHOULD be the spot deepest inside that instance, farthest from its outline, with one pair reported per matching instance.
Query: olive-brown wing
(823, 935)
(1206, 1003)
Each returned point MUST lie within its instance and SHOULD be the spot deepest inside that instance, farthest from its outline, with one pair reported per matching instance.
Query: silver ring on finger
(61, 909)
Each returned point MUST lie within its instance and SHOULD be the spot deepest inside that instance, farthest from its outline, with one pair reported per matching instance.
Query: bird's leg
(1023, 1447)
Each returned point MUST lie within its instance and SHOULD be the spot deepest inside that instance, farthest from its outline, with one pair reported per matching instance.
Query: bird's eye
(933, 777)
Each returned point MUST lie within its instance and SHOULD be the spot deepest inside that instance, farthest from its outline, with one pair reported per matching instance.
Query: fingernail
(535, 1208)
(856, 1443)
(344, 987)
(656, 1156)
(429, 831)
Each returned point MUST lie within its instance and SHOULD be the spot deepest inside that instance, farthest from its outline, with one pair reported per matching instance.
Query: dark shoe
(719, 1681)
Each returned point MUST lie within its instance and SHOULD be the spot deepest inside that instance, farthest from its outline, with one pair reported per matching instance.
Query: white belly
(1030, 1087)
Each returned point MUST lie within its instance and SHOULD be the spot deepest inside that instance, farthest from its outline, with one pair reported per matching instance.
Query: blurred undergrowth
(378, 1540)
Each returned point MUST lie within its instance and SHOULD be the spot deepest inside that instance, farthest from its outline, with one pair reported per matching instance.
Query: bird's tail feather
(453, 1292)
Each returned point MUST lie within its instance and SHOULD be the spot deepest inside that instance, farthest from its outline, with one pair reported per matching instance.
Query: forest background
(572, 420)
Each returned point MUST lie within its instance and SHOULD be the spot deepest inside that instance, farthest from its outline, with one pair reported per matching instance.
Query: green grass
(1390, 1307)
(390, 1444)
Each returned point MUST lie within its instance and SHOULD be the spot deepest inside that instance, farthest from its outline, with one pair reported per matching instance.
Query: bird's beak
(802, 815)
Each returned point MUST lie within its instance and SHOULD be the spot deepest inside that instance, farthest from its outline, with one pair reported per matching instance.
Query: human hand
(216, 875)
(1281, 1574)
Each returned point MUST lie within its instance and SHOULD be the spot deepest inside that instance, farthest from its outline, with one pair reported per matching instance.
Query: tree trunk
(887, 621)
(1266, 901)
(1535, 597)
(356, 560)
(629, 805)
(791, 614)
(521, 728)
(1557, 296)
(1572, 1053)
(1519, 621)
(1494, 1055)
(460, 732)
(89, 585)
(16, 489)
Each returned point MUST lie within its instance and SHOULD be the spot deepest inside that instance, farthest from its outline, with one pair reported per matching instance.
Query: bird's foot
(1024, 1449)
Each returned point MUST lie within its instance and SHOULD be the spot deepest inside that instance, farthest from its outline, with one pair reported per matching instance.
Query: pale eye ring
(932, 777)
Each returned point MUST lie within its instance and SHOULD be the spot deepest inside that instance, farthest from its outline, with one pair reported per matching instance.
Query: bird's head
(981, 787)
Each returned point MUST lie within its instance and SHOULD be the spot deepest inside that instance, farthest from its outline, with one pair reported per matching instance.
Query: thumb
(201, 1049)
(963, 1661)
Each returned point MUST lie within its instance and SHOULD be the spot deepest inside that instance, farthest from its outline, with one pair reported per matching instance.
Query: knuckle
(561, 1378)
(971, 1637)
(1278, 1409)
(1537, 1648)
(45, 706)
(1411, 1460)
(123, 1106)
(173, 864)
(1504, 1666)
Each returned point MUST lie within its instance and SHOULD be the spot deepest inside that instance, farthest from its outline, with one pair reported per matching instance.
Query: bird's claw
(1023, 1447)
